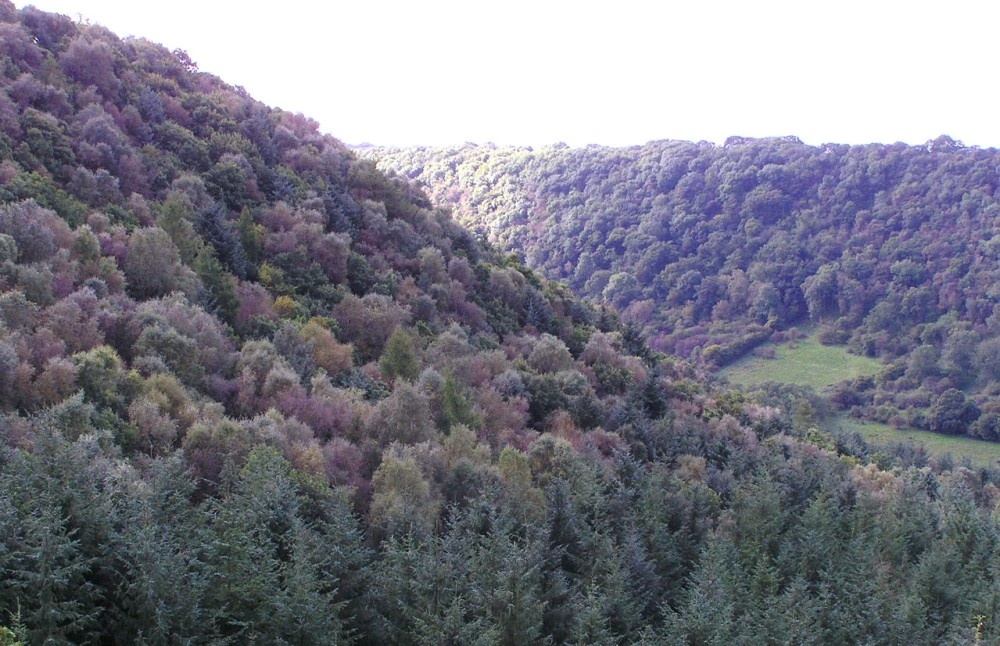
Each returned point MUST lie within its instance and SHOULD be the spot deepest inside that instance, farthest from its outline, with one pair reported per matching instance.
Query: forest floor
(806, 362)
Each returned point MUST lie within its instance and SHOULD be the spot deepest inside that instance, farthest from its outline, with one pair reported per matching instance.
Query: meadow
(805, 362)
(979, 452)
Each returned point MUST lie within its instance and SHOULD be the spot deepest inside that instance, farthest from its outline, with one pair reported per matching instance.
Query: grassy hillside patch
(803, 362)
(980, 452)
(806, 362)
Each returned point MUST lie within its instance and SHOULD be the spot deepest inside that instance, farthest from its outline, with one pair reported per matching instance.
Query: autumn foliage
(253, 390)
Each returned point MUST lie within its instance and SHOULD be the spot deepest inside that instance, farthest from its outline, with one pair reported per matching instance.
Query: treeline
(890, 249)
(254, 391)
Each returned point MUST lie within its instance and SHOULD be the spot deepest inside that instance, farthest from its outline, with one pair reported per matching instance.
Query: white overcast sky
(625, 72)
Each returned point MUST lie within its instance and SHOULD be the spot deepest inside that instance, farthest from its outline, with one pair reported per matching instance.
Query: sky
(538, 72)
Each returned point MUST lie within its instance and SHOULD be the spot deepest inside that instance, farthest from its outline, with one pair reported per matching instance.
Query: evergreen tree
(399, 358)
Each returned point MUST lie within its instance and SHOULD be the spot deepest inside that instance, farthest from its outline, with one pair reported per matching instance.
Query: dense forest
(253, 390)
(890, 249)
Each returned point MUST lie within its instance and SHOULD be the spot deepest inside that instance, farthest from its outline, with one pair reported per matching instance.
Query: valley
(890, 250)
(258, 387)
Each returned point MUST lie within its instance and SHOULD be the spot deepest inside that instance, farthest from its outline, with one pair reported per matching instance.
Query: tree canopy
(254, 390)
(710, 249)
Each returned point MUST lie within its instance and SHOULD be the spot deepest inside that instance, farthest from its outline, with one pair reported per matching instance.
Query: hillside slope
(254, 391)
(890, 248)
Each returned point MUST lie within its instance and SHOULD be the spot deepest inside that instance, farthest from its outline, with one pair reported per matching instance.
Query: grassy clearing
(804, 362)
(807, 363)
(979, 452)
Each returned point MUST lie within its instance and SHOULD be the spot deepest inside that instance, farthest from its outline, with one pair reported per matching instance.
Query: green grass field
(804, 362)
(807, 363)
(979, 452)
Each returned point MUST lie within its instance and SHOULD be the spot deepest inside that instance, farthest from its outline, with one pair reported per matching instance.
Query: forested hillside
(892, 249)
(252, 390)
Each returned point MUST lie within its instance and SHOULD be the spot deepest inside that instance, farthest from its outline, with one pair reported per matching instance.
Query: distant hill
(255, 391)
(892, 249)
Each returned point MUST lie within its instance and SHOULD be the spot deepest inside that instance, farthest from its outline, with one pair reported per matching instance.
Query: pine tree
(48, 564)
(157, 543)
(399, 358)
